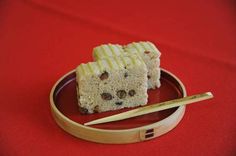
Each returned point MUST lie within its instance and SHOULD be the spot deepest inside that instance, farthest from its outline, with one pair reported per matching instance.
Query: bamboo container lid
(65, 112)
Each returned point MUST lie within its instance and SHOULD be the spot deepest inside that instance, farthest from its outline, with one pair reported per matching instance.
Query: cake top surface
(108, 50)
(111, 50)
(109, 64)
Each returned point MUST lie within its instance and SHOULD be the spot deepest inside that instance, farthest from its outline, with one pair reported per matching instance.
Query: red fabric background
(41, 40)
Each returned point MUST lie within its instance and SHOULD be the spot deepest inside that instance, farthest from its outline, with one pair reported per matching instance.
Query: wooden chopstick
(153, 108)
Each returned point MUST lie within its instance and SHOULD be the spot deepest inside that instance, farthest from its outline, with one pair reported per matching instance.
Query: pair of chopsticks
(153, 108)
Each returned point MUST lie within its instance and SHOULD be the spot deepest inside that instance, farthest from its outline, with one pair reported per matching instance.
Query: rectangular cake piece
(111, 83)
(146, 50)
(151, 56)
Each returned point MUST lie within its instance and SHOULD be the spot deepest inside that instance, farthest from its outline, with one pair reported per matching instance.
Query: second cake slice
(146, 50)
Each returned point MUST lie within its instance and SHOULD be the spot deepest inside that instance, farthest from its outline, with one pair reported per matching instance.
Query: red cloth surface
(41, 40)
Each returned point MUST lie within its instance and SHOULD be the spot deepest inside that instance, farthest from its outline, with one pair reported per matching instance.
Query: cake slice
(111, 83)
(146, 50)
(151, 56)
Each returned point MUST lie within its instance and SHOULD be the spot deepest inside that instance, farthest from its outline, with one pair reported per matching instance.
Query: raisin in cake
(146, 50)
(111, 83)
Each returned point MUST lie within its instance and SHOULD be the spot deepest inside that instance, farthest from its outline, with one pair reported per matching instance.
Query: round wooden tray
(65, 111)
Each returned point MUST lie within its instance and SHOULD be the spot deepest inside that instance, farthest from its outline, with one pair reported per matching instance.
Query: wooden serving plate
(65, 111)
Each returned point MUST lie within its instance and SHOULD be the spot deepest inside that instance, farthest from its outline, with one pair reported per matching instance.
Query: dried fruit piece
(148, 76)
(119, 103)
(96, 109)
(121, 94)
(132, 92)
(126, 75)
(106, 96)
(146, 52)
(104, 75)
(83, 110)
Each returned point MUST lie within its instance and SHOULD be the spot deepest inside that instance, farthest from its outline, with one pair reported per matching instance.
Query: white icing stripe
(103, 52)
(135, 46)
(133, 59)
(107, 50)
(109, 63)
(132, 50)
(123, 60)
(128, 61)
(112, 50)
(114, 63)
(95, 67)
(139, 61)
(104, 64)
(90, 68)
(117, 51)
(139, 46)
(118, 61)
(145, 46)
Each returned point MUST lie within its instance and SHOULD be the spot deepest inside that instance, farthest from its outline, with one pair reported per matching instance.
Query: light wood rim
(116, 136)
